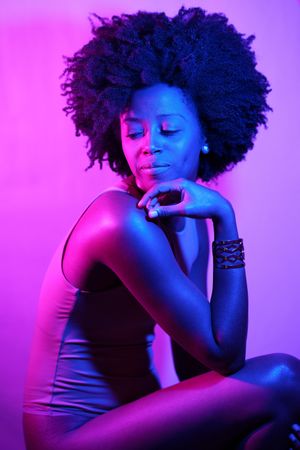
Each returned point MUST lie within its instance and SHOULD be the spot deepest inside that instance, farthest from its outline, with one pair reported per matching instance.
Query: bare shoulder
(114, 208)
(122, 197)
(110, 202)
(105, 230)
(119, 222)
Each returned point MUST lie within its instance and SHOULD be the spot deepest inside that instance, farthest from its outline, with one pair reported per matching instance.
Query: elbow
(231, 359)
(230, 368)
(229, 364)
(223, 361)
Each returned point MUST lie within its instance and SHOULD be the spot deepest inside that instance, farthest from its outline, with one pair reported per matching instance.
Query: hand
(187, 198)
(294, 437)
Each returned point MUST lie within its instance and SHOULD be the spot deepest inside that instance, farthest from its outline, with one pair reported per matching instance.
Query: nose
(151, 144)
(152, 149)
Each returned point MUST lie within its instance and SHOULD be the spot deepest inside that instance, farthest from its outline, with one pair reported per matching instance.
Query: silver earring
(205, 148)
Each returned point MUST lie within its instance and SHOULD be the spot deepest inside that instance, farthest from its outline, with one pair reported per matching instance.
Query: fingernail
(153, 214)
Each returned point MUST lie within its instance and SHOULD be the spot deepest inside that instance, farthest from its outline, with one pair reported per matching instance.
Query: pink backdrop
(44, 186)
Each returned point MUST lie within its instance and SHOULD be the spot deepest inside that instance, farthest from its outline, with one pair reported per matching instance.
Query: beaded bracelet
(228, 254)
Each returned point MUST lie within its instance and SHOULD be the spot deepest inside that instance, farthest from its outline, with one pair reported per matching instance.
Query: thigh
(43, 431)
(208, 411)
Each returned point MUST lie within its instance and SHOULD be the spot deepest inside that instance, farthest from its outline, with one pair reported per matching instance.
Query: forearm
(229, 299)
(223, 322)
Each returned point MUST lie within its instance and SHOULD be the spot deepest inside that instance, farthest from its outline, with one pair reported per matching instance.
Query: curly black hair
(198, 52)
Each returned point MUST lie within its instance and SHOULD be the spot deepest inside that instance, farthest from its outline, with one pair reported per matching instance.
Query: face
(161, 136)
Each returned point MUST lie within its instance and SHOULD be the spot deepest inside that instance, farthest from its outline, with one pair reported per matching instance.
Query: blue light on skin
(161, 126)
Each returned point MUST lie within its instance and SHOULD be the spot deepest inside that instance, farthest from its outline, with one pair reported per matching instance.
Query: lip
(151, 165)
(154, 167)
(151, 170)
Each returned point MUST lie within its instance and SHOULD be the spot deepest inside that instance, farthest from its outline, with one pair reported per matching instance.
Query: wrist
(224, 223)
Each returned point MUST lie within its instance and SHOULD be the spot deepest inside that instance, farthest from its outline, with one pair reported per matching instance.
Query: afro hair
(198, 52)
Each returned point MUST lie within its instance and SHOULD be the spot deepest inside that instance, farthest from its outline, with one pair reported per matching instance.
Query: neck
(132, 187)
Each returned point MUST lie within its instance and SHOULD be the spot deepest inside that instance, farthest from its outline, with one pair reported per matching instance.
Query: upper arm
(139, 253)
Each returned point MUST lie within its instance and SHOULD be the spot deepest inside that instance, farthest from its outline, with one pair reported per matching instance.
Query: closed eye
(169, 132)
(140, 133)
(134, 135)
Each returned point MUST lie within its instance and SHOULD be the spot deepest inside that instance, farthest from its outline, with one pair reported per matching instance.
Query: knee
(277, 372)
(282, 370)
(280, 373)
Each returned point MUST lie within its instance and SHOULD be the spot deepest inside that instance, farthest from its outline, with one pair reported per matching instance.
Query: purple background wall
(44, 186)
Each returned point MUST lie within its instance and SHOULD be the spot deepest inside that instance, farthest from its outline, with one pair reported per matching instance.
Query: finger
(161, 188)
(295, 442)
(152, 193)
(152, 203)
(165, 211)
(296, 430)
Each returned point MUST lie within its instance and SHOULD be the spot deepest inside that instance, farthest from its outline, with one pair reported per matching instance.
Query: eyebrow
(136, 119)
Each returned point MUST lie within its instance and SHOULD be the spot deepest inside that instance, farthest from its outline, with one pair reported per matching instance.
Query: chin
(145, 185)
(146, 182)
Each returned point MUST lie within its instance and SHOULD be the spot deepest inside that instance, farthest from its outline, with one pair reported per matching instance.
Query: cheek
(129, 153)
(190, 151)
(125, 143)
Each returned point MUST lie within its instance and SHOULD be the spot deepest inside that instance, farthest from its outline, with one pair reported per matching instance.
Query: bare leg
(253, 408)
(281, 374)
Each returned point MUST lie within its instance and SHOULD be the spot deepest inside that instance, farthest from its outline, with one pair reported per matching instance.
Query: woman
(166, 101)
